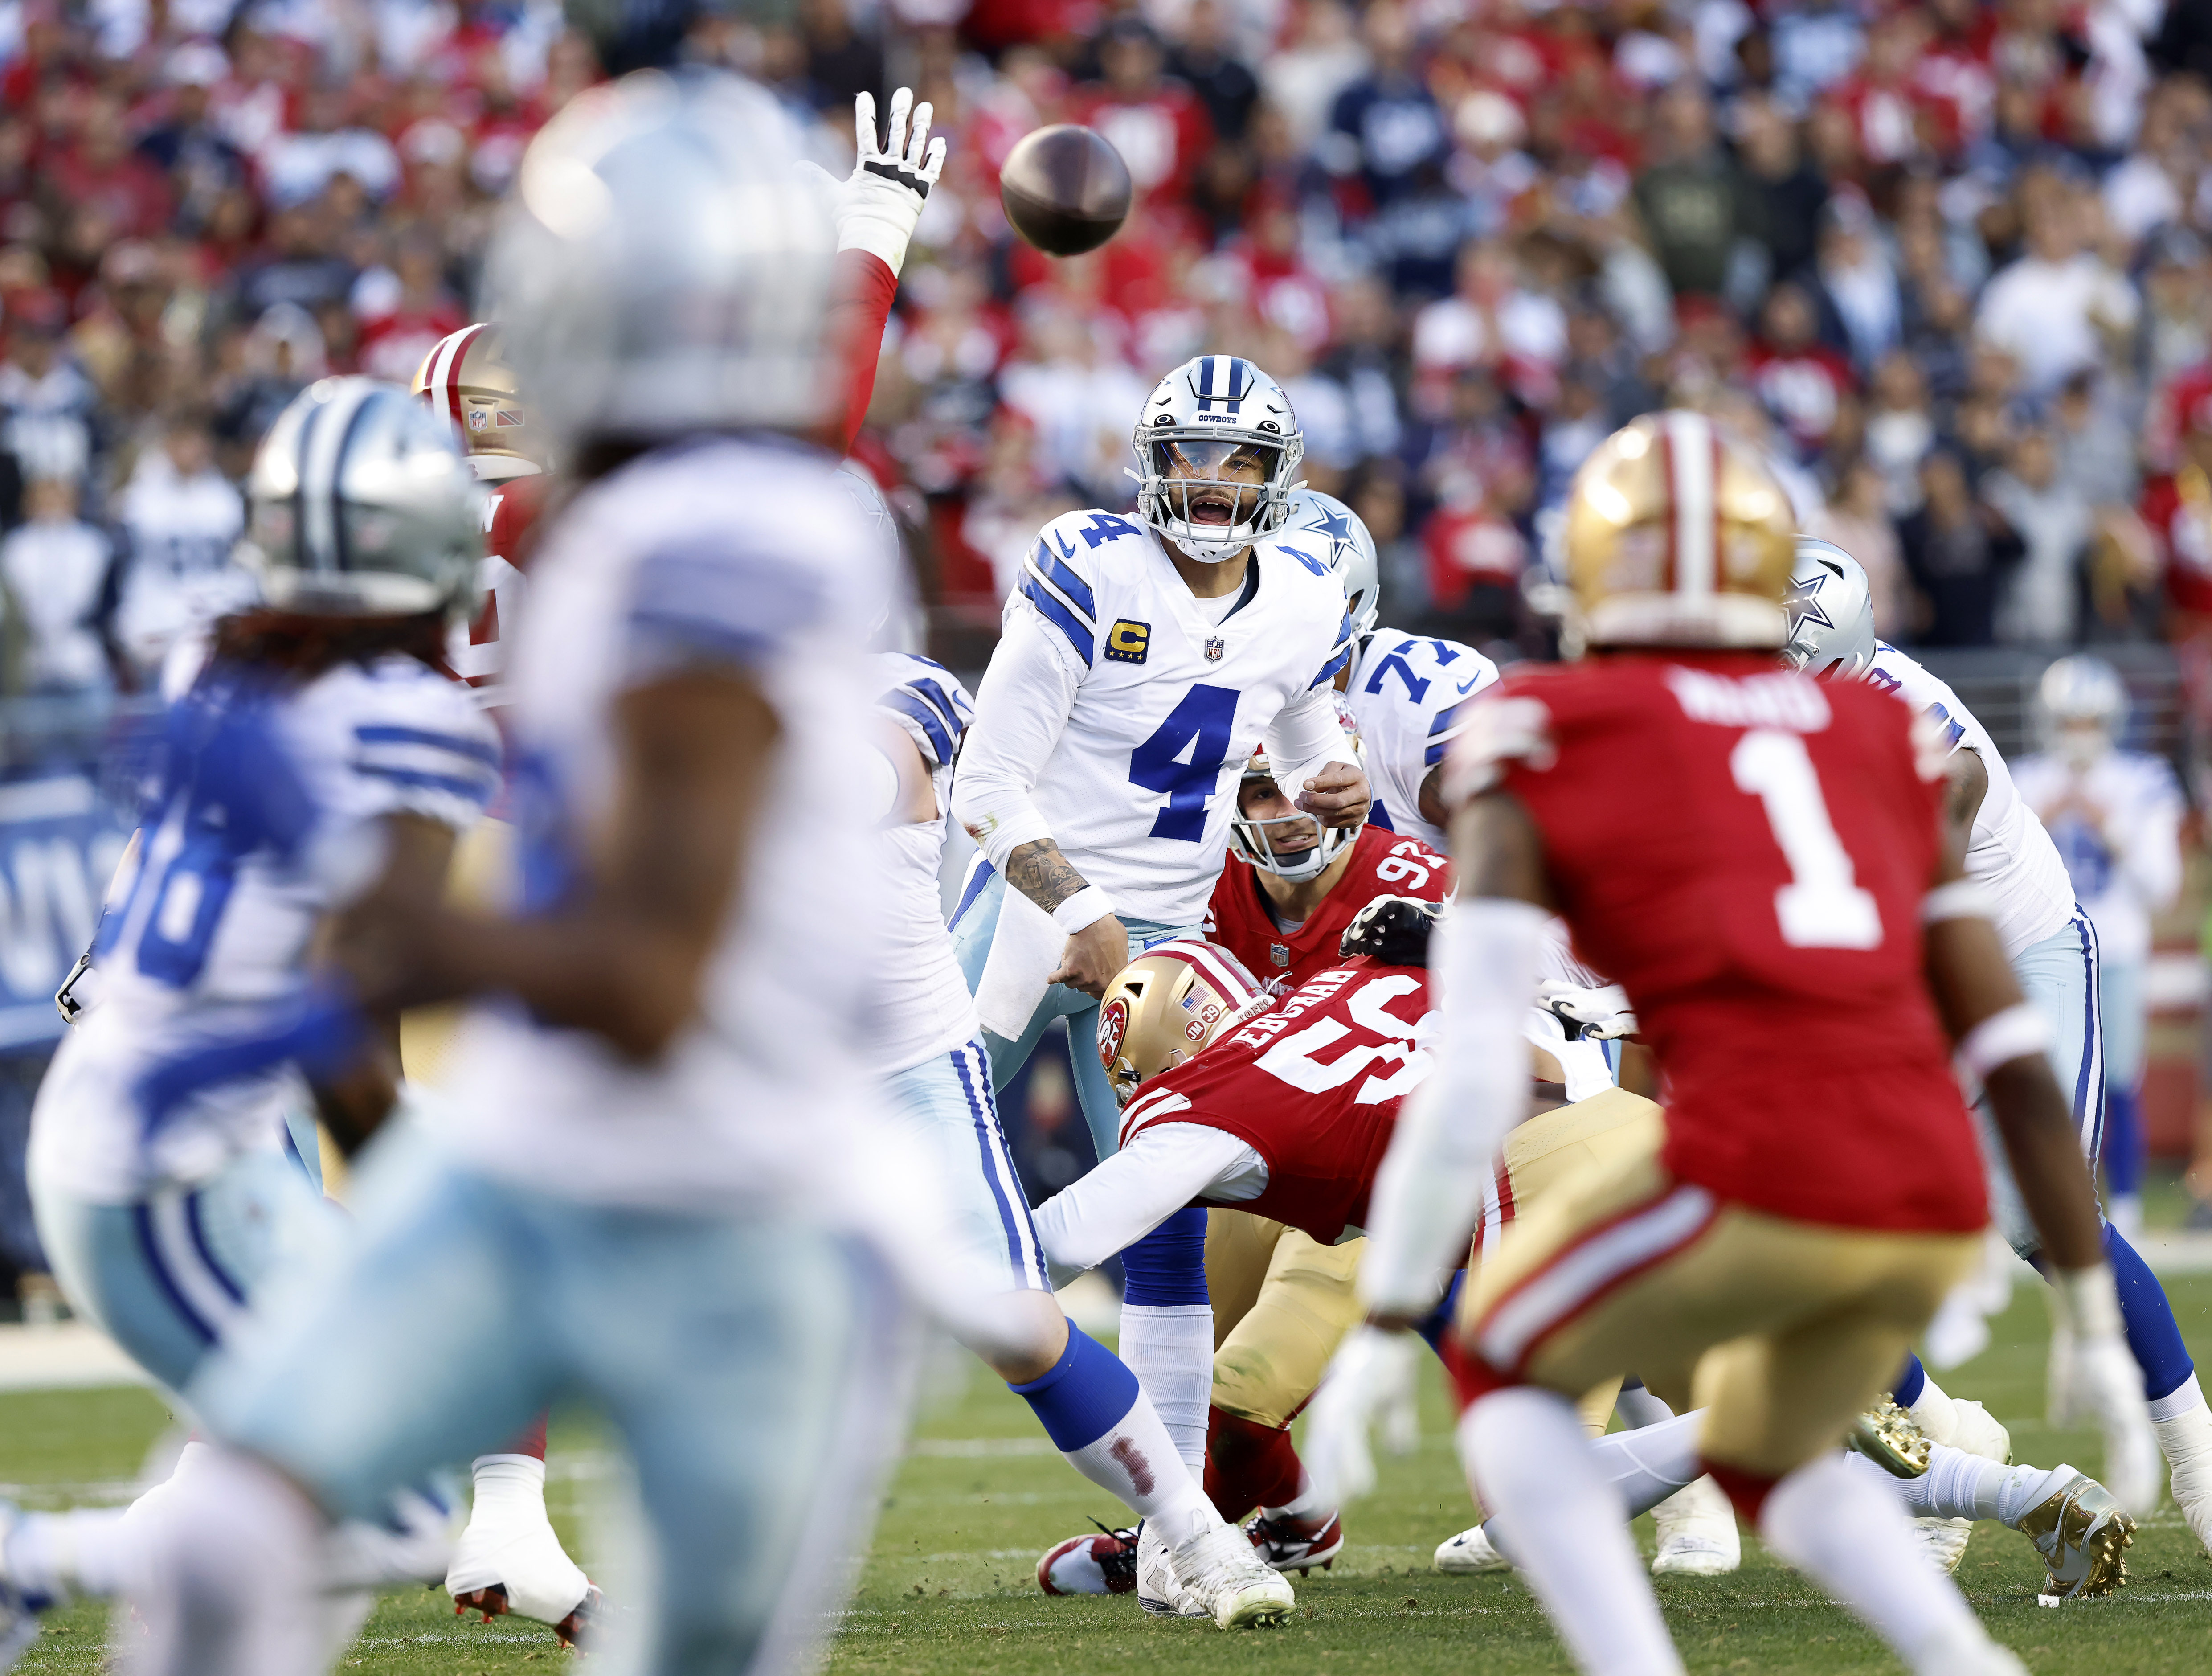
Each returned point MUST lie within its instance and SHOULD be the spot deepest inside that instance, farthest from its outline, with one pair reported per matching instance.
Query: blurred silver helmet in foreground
(2081, 705)
(1347, 549)
(661, 268)
(363, 504)
(1830, 609)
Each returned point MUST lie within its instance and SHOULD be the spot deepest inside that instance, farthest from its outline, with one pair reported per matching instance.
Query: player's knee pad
(1267, 1368)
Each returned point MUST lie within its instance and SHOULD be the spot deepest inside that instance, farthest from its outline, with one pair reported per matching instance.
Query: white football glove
(1369, 1382)
(1602, 1014)
(879, 203)
(2094, 1379)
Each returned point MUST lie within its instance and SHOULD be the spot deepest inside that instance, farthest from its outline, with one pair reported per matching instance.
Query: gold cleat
(2083, 1536)
(1891, 1438)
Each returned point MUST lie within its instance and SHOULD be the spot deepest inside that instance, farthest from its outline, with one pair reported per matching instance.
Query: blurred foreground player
(658, 1162)
(320, 765)
(2057, 956)
(927, 1045)
(1790, 858)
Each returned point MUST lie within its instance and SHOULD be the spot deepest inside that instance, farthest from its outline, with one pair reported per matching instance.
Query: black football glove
(1393, 929)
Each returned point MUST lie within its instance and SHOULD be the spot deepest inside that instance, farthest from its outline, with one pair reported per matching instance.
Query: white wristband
(1086, 907)
(2087, 1300)
(1962, 899)
(2016, 1033)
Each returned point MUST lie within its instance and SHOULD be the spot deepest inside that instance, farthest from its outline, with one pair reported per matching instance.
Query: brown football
(1066, 190)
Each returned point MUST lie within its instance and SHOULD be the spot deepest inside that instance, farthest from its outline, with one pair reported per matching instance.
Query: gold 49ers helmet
(467, 378)
(1166, 1005)
(1677, 534)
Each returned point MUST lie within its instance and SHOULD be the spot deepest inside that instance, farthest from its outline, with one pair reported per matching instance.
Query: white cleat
(1698, 1536)
(509, 1560)
(1158, 1590)
(2186, 1442)
(1220, 1574)
(1470, 1554)
(1978, 1432)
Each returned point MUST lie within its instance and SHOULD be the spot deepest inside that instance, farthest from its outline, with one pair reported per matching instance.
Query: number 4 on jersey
(1823, 905)
(1202, 723)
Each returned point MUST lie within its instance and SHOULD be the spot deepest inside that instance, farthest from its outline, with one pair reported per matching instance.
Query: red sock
(530, 1443)
(1248, 1465)
(1746, 1491)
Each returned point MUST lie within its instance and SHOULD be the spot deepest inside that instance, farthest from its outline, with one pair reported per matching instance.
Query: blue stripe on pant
(947, 1106)
(2059, 975)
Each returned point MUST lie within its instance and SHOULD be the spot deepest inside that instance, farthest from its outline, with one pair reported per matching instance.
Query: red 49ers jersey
(1744, 850)
(1383, 864)
(510, 525)
(1313, 1087)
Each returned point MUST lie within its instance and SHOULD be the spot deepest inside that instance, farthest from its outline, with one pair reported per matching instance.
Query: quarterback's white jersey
(722, 554)
(2118, 828)
(921, 1008)
(209, 927)
(1407, 694)
(1119, 710)
(2008, 849)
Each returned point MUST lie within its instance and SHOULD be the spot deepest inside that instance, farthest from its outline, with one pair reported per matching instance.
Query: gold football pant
(1281, 1303)
(1782, 1331)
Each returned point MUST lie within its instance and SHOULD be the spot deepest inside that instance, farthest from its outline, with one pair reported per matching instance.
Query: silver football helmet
(2081, 706)
(363, 504)
(1830, 611)
(1285, 845)
(1218, 451)
(661, 268)
(1347, 549)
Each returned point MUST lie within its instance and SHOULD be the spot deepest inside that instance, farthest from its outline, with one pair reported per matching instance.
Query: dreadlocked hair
(305, 646)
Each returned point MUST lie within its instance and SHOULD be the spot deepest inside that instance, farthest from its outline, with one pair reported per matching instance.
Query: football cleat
(1158, 1590)
(509, 1559)
(2083, 1536)
(1891, 1438)
(1698, 1537)
(1100, 1562)
(1222, 1577)
(19, 1611)
(1289, 1544)
(1470, 1554)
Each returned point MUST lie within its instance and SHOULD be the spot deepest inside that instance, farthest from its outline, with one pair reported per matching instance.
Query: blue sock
(2123, 1142)
(2148, 1318)
(1083, 1396)
(1439, 1320)
(1167, 1267)
(1910, 1383)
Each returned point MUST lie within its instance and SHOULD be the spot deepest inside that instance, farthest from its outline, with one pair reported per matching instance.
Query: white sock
(1308, 1503)
(1528, 1461)
(1138, 1463)
(86, 1551)
(1646, 1466)
(1850, 1537)
(1932, 1409)
(510, 1486)
(233, 1578)
(1959, 1485)
(1169, 1348)
(2178, 1402)
(1639, 1408)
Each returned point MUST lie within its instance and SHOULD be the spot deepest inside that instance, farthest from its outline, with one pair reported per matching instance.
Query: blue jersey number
(1417, 686)
(1200, 724)
(1105, 526)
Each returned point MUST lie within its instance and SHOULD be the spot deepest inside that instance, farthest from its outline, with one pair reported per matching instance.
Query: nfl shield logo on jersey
(1215, 646)
(1279, 953)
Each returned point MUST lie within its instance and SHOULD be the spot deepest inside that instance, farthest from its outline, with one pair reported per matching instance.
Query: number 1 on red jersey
(1823, 905)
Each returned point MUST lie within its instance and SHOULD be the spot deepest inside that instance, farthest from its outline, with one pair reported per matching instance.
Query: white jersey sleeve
(1161, 1169)
(397, 738)
(1119, 710)
(2008, 849)
(1408, 693)
(921, 1009)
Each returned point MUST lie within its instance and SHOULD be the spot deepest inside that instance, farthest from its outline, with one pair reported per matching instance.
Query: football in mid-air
(1066, 190)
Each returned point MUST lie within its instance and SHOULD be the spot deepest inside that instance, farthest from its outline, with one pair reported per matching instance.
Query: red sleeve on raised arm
(862, 289)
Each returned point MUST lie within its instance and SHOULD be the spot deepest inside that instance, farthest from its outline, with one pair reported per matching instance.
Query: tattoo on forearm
(1040, 872)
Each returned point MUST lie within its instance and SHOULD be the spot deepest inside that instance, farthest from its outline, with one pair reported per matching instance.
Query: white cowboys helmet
(363, 504)
(1831, 610)
(2081, 706)
(1218, 451)
(1347, 549)
(1284, 844)
(661, 268)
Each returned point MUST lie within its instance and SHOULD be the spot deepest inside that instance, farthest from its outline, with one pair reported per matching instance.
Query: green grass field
(948, 1587)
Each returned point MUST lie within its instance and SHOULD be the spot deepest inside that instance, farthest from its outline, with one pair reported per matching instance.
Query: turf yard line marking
(434, 1635)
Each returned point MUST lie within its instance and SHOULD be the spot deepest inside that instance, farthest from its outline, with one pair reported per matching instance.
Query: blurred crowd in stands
(1947, 259)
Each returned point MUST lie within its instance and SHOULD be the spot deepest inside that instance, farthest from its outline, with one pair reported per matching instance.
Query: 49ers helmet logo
(1113, 1021)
